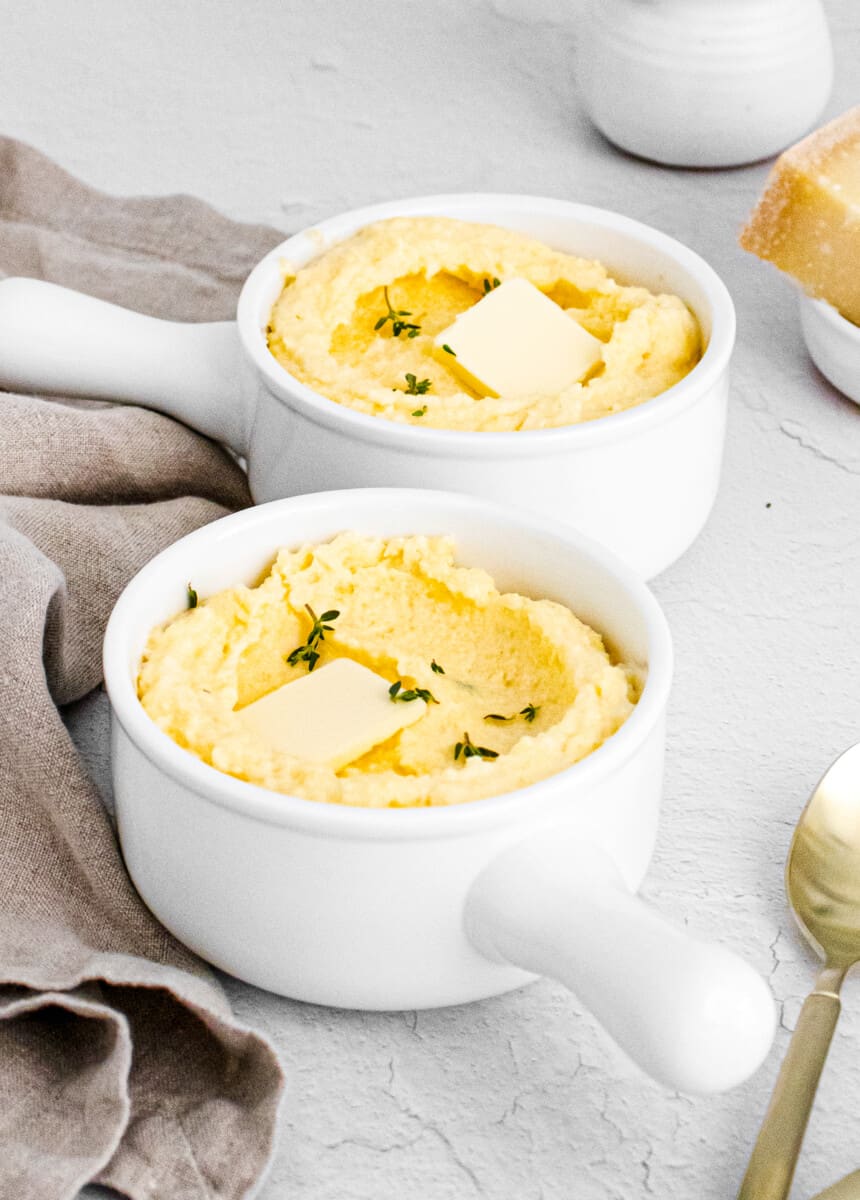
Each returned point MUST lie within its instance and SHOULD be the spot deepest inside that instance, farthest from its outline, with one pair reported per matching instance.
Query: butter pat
(807, 223)
(517, 342)
(332, 715)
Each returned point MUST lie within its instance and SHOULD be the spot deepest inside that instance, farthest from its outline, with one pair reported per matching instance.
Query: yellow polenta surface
(403, 604)
(322, 326)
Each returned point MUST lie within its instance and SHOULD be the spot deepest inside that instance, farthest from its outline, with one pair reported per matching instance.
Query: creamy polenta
(357, 324)
(519, 678)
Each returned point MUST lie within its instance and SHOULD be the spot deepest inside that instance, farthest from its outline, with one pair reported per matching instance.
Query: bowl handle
(62, 342)
(692, 1015)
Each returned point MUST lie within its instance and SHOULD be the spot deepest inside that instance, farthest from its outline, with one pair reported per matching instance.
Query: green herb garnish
(436, 669)
(395, 316)
(468, 749)
(398, 692)
(192, 597)
(528, 714)
(419, 412)
(491, 284)
(448, 350)
(415, 386)
(308, 652)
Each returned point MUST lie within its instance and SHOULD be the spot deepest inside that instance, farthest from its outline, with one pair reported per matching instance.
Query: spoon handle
(774, 1156)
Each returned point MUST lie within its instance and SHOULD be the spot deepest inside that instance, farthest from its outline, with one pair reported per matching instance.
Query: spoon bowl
(823, 885)
(823, 869)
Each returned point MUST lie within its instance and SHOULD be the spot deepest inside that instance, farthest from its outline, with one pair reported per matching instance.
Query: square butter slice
(517, 342)
(331, 715)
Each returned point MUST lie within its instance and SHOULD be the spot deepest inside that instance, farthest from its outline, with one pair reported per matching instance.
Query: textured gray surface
(287, 112)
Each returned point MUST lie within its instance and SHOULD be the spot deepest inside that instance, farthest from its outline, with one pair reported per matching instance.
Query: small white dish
(642, 481)
(833, 343)
(417, 908)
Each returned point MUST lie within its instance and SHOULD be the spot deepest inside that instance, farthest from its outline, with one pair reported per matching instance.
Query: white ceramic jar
(705, 83)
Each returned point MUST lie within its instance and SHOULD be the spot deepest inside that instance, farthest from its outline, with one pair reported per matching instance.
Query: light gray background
(287, 112)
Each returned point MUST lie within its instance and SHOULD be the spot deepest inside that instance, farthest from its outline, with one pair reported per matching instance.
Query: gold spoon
(823, 884)
(846, 1189)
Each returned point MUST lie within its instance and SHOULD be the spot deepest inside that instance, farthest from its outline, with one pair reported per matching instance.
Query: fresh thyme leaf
(448, 350)
(192, 597)
(468, 749)
(308, 652)
(528, 714)
(415, 386)
(398, 692)
(395, 316)
(436, 669)
(419, 412)
(491, 284)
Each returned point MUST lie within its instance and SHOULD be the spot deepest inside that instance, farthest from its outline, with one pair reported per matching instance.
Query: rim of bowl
(832, 318)
(505, 443)
(381, 824)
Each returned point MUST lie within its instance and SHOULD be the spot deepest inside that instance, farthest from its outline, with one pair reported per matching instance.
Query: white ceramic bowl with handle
(415, 908)
(641, 481)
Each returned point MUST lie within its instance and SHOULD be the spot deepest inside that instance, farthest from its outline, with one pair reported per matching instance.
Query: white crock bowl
(391, 909)
(833, 343)
(642, 481)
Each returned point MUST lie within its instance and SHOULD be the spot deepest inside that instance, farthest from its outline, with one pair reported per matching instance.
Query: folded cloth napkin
(120, 1061)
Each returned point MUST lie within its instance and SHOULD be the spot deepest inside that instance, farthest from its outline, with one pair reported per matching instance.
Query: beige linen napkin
(119, 1058)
